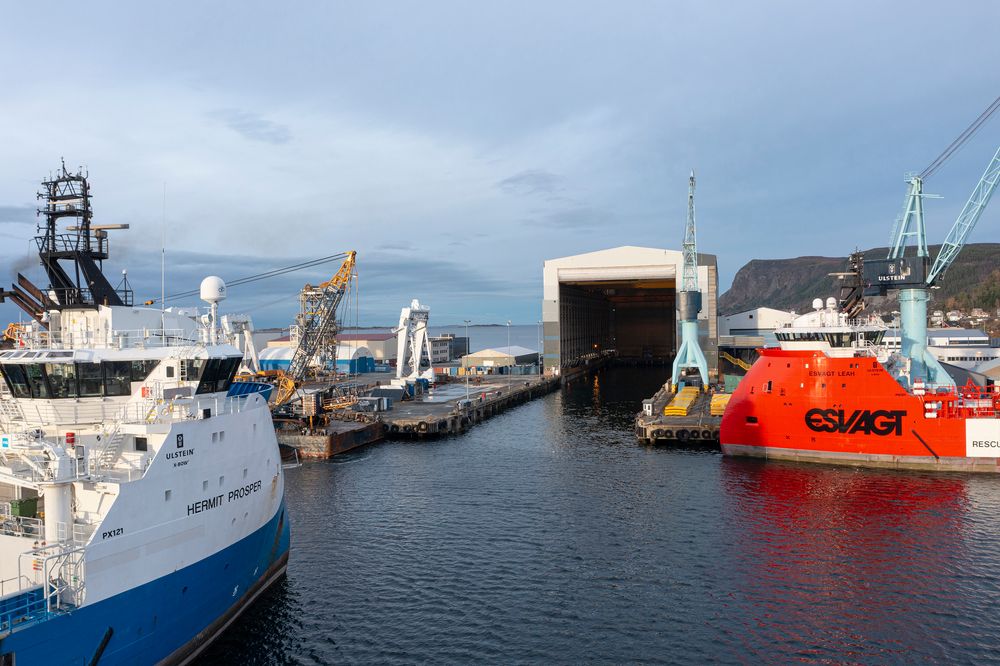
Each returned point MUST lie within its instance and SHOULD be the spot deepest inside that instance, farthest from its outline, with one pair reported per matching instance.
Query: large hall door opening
(635, 318)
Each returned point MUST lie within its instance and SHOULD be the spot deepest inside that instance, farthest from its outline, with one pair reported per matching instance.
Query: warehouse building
(513, 360)
(622, 299)
(351, 358)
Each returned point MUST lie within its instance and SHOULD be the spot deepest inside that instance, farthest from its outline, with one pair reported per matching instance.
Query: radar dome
(213, 289)
(817, 304)
(831, 302)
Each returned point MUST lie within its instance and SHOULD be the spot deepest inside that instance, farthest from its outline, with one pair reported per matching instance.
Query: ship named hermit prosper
(142, 497)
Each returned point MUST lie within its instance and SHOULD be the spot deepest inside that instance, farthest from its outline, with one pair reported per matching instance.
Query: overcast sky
(458, 145)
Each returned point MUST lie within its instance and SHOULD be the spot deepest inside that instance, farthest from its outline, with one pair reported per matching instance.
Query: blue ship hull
(167, 620)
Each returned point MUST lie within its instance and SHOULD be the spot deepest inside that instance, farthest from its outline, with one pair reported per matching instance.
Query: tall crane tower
(689, 355)
(317, 322)
(914, 276)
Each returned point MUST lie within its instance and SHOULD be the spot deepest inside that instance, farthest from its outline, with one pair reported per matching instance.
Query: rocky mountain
(791, 284)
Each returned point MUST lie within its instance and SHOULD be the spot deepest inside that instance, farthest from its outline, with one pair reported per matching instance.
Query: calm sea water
(548, 535)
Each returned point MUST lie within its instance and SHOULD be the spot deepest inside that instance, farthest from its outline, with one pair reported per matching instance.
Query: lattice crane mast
(317, 322)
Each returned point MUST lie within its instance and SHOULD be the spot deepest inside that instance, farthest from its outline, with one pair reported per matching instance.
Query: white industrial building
(622, 299)
(381, 345)
(755, 322)
(504, 360)
(351, 358)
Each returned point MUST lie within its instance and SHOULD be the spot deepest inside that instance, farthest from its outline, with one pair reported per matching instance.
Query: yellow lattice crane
(317, 323)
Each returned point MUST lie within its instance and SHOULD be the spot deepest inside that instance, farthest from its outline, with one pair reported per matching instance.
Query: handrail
(735, 361)
(140, 338)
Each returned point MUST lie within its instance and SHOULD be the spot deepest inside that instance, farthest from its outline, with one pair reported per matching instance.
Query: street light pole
(467, 352)
(539, 335)
(508, 345)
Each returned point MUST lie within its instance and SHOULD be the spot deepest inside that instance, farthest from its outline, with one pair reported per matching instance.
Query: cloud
(532, 181)
(578, 218)
(252, 126)
(17, 214)
(454, 290)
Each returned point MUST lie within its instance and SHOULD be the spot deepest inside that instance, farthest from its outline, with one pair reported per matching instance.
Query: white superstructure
(119, 420)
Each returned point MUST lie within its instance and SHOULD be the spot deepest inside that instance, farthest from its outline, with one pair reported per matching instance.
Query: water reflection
(841, 564)
(548, 535)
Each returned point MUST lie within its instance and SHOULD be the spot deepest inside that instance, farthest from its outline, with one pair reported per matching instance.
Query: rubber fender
(683, 434)
(407, 428)
(695, 434)
(394, 428)
(706, 434)
(668, 434)
(423, 427)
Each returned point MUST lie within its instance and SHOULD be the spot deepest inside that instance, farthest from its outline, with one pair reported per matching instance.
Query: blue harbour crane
(914, 276)
(689, 355)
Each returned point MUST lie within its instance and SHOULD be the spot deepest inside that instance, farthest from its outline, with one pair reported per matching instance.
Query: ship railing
(19, 526)
(868, 348)
(152, 410)
(60, 569)
(14, 585)
(49, 412)
(25, 459)
(50, 580)
(142, 338)
(22, 606)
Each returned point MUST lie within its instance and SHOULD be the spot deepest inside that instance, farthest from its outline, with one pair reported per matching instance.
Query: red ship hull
(807, 406)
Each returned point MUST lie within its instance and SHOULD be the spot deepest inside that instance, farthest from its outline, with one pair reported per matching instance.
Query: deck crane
(914, 276)
(689, 355)
(317, 325)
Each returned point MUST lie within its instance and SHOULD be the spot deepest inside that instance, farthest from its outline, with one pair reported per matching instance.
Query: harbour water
(548, 535)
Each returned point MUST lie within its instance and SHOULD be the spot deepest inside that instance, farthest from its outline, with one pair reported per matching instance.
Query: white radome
(213, 289)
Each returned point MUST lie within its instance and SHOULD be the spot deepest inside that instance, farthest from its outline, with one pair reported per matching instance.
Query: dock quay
(338, 436)
(446, 410)
(697, 425)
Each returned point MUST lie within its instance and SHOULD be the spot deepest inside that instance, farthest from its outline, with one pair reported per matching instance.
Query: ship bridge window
(36, 380)
(141, 369)
(117, 378)
(875, 337)
(89, 379)
(69, 380)
(16, 380)
(839, 339)
(218, 374)
(191, 369)
(62, 379)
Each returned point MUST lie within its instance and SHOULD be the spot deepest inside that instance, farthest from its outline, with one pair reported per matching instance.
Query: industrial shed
(502, 359)
(622, 299)
(351, 359)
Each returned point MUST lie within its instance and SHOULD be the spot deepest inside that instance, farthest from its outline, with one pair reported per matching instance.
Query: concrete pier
(446, 410)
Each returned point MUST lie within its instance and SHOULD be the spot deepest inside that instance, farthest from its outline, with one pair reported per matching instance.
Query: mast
(83, 248)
